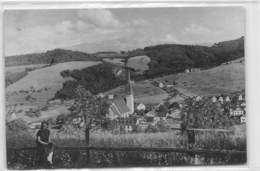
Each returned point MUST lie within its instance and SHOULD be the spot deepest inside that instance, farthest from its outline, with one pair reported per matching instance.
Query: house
(101, 95)
(111, 96)
(141, 124)
(198, 98)
(128, 128)
(214, 99)
(55, 102)
(175, 114)
(35, 125)
(242, 119)
(221, 100)
(187, 70)
(243, 104)
(237, 112)
(161, 85)
(141, 107)
(169, 85)
(240, 97)
(195, 69)
(156, 119)
(150, 114)
(227, 99)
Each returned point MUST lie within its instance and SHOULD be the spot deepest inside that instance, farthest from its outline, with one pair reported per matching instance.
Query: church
(122, 107)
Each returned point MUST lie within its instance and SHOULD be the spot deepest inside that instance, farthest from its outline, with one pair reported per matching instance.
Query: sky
(91, 30)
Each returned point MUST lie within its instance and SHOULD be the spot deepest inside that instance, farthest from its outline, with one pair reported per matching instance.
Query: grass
(219, 80)
(159, 139)
(77, 159)
(144, 92)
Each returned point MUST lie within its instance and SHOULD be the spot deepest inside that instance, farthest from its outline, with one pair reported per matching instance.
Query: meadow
(144, 92)
(75, 137)
(219, 80)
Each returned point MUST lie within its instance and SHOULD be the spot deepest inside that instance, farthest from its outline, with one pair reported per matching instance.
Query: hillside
(52, 56)
(43, 83)
(96, 79)
(174, 58)
(223, 79)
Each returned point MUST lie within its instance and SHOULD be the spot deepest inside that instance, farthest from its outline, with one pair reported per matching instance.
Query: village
(126, 116)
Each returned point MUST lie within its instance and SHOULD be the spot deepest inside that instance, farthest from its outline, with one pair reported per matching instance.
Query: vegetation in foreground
(75, 137)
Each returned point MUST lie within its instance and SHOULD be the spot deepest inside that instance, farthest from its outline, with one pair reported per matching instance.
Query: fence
(91, 157)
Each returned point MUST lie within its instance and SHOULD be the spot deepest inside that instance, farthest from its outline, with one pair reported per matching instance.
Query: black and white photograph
(125, 87)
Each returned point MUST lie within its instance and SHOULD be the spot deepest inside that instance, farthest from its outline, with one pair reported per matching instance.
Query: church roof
(119, 107)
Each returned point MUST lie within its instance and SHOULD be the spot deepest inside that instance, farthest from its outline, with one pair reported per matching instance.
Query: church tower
(129, 92)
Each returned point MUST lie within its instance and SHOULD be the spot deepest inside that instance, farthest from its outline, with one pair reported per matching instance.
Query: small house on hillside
(111, 96)
(161, 85)
(187, 70)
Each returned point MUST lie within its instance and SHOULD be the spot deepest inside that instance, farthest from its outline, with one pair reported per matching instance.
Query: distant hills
(174, 58)
(165, 59)
(52, 56)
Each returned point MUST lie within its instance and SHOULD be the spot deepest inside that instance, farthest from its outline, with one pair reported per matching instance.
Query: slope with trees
(49, 57)
(174, 58)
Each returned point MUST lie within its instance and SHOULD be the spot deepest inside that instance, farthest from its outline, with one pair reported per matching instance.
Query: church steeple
(129, 90)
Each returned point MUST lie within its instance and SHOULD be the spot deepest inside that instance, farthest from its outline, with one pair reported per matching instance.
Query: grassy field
(47, 77)
(21, 68)
(219, 80)
(75, 137)
(41, 84)
(144, 92)
(139, 63)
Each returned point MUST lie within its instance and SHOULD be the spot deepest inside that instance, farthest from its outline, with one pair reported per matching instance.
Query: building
(141, 106)
(240, 97)
(122, 107)
(221, 100)
(242, 119)
(161, 85)
(198, 98)
(214, 99)
(228, 99)
(187, 70)
(237, 112)
(175, 114)
(118, 109)
(243, 104)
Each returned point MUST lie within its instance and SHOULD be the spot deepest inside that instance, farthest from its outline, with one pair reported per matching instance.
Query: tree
(162, 110)
(93, 109)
